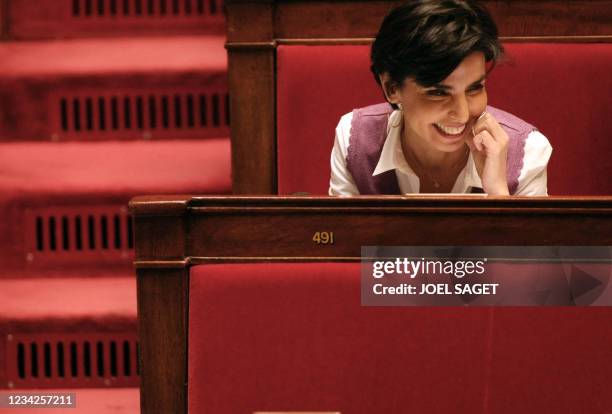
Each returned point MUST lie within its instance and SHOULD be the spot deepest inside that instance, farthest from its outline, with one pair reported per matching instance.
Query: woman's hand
(489, 146)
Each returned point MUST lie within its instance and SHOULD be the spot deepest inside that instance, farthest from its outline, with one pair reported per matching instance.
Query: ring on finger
(482, 115)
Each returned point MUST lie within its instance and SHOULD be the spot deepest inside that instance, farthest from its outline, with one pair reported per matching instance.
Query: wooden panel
(552, 17)
(162, 334)
(283, 227)
(279, 231)
(251, 67)
(169, 247)
(250, 22)
(360, 18)
(162, 303)
(279, 235)
(252, 78)
(319, 19)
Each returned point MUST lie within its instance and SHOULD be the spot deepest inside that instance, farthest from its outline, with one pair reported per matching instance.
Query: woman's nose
(460, 110)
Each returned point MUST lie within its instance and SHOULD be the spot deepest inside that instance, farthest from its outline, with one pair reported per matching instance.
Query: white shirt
(531, 181)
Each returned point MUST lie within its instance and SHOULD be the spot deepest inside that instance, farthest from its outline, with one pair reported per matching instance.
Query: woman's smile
(451, 132)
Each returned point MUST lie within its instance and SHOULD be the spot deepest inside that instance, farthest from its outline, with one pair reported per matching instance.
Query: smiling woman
(436, 133)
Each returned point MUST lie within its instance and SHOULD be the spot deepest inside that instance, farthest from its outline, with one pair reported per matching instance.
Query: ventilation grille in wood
(79, 234)
(59, 19)
(72, 360)
(141, 116)
(145, 8)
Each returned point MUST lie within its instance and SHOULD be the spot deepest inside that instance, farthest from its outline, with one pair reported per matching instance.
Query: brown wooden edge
(160, 205)
(369, 40)
(252, 86)
(162, 294)
(163, 304)
(246, 203)
(361, 18)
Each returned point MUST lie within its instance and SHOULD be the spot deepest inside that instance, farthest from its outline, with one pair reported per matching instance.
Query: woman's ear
(389, 88)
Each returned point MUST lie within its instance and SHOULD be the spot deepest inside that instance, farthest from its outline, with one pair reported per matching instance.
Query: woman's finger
(487, 122)
(478, 142)
(470, 142)
(479, 124)
(484, 140)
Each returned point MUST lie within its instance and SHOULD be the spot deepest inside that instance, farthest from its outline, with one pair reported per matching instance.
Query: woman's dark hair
(427, 39)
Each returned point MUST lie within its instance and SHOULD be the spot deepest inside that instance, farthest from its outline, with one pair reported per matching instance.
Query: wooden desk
(174, 233)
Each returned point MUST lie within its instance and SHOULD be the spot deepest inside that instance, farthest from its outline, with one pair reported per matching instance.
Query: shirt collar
(392, 155)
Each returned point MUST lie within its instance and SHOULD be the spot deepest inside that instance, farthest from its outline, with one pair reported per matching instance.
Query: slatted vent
(55, 19)
(145, 8)
(76, 360)
(178, 115)
(77, 234)
(80, 232)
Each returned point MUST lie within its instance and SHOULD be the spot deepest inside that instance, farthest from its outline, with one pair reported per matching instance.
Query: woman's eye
(476, 88)
(436, 93)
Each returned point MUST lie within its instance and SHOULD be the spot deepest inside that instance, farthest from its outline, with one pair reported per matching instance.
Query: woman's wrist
(500, 189)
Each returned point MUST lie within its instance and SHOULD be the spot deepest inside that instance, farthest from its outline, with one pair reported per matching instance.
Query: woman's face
(441, 117)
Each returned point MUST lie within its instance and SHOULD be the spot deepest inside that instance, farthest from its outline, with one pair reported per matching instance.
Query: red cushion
(275, 337)
(316, 85)
(553, 360)
(563, 89)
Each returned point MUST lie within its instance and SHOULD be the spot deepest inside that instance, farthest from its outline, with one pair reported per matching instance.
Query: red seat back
(294, 337)
(563, 89)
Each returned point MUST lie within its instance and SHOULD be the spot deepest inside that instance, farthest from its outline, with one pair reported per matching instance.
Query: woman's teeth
(450, 130)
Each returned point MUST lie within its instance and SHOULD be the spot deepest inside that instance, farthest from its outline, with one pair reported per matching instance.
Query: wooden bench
(240, 311)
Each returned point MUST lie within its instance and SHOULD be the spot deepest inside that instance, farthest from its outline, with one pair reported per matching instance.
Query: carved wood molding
(361, 18)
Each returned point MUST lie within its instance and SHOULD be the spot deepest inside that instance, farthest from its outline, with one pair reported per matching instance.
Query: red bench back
(294, 337)
(563, 89)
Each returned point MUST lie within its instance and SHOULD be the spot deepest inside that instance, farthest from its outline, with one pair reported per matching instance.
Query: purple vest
(369, 132)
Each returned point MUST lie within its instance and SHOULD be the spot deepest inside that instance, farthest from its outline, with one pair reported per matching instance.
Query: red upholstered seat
(563, 89)
(276, 337)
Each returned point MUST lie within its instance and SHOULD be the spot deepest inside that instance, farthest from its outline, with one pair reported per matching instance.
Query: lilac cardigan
(369, 132)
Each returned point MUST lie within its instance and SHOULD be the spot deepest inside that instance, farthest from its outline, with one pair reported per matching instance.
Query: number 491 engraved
(323, 237)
